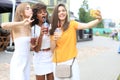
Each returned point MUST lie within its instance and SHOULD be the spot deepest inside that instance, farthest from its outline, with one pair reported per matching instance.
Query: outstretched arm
(91, 23)
(10, 25)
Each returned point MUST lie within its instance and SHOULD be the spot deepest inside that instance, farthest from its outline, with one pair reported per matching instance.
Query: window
(51, 2)
(64, 1)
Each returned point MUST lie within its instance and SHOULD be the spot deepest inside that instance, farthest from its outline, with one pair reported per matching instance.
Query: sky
(109, 8)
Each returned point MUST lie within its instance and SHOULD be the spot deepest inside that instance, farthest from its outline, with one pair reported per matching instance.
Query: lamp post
(10, 48)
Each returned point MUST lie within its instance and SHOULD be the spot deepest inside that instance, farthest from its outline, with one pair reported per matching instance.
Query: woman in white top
(42, 59)
(21, 30)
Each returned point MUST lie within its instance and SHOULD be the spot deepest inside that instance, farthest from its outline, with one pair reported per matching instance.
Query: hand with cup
(33, 42)
(45, 26)
(95, 13)
(57, 33)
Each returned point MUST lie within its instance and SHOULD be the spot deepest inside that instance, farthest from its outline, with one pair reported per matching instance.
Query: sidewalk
(98, 60)
(5, 65)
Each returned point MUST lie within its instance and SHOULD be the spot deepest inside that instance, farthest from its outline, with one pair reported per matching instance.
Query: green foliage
(84, 14)
(100, 25)
(118, 78)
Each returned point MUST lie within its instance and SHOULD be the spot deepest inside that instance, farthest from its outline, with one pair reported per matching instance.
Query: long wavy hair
(20, 12)
(55, 20)
(36, 8)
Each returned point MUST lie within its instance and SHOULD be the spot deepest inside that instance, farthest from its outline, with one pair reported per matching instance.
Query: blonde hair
(20, 12)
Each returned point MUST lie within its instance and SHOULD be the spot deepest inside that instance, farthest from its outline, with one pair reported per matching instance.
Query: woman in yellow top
(64, 45)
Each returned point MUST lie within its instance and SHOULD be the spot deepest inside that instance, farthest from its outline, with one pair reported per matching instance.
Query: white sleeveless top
(45, 40)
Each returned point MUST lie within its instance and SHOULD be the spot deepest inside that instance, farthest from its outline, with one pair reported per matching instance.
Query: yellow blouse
(66, 45)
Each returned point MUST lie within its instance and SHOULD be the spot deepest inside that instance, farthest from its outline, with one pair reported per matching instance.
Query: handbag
(63, 70)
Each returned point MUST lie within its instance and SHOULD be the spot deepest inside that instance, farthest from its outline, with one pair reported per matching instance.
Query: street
(98, 60)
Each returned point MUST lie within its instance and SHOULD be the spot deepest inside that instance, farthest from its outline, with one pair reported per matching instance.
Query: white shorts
(42, 62)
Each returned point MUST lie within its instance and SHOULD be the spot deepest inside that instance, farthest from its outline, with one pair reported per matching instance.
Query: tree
(84, 14)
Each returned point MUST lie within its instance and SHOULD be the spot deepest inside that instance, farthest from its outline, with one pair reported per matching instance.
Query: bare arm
(91, 23)
(52, 45)
(54, 38)
(9, 25)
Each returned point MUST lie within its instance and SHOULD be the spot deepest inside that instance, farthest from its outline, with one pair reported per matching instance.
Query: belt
(47, 49)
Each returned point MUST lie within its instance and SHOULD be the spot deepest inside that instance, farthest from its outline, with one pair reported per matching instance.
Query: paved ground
(98, 60)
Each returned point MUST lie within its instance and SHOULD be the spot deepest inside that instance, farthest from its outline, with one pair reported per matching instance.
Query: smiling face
(62, 13)
(59, 18)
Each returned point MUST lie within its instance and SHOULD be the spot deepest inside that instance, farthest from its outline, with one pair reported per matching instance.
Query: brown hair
(36, 8)
(55, 19)
(20, 12)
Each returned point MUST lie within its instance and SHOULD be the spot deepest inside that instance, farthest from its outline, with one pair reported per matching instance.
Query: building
(52, 3)
(50, 6)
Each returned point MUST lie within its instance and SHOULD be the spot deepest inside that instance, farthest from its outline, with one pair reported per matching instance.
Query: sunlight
(109, 8)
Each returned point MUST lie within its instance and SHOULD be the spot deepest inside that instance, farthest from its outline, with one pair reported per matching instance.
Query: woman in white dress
(21, 32)
(42, 59)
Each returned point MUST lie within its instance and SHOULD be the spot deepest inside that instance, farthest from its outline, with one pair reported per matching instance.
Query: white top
(46, 38)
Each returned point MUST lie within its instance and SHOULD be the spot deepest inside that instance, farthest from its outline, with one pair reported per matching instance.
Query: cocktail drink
(33, 41)
(93, 12)
(45, 26)
(58, 31)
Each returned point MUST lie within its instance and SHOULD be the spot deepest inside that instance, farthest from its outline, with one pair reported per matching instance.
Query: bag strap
(34, 30)
(73, 61)
(56, 59)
